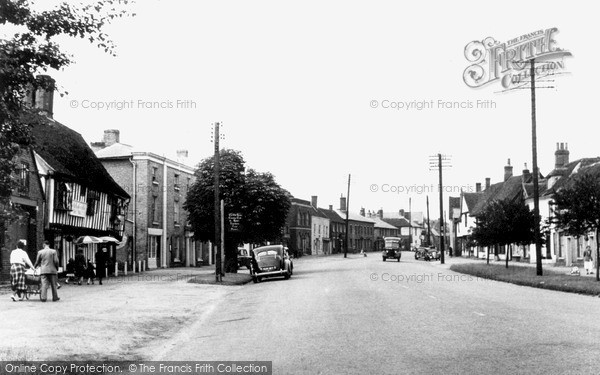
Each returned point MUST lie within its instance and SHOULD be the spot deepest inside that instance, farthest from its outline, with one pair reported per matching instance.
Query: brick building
(361, 230)
(337, 229)
(297, 231)
(157, 224)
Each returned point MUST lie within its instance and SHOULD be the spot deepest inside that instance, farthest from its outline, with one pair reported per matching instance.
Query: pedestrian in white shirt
(18, 260)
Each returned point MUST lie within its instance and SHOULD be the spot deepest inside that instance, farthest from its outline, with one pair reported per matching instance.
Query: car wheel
(254, 279)
(384, 259)
(287, 275)
(398, 259)
(259, 279)
(416, 256)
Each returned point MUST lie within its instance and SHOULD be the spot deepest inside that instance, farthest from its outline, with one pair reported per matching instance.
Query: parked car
(243, 258)
(271, 261)
(427, 253)
(392, 248)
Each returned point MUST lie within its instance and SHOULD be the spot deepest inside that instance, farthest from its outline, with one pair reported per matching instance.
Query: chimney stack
(111, 136)
(526, 174)
(401, 212)
(342, 203)
(331, 207)
(561, 155)
(508, 171)
(41, 97)
(313, 201)
(487, 183)
(380, 213)
(362, 211)
(478, 187)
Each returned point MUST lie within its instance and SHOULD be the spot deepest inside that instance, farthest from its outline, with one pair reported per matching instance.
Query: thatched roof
(72, 159)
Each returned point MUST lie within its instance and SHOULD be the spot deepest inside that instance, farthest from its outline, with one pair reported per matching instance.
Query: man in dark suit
(47, 258)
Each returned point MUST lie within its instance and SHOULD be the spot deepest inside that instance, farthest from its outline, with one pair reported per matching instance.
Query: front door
(153, 251)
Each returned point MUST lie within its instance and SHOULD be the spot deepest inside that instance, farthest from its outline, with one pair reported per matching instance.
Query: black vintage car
(271, 261)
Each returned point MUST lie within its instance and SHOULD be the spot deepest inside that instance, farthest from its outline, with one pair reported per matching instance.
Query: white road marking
(432, 297)
(477, 313)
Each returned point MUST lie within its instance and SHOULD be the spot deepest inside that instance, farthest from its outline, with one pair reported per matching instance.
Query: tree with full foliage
(577, 209)
(504, 222)
(28, 53)
(262, 203)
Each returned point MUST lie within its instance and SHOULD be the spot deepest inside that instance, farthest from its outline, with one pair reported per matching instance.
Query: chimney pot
(487, 183)
(478, 187)
(508, 171)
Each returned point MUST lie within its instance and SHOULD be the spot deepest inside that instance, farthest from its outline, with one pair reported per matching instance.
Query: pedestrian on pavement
(18, 260)
(588, 262)
(101, 259)
(80, 262)
(70, 270)
(90, 272)
(47, 259)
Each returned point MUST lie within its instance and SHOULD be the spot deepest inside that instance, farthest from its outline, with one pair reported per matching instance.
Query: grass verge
(526, 276)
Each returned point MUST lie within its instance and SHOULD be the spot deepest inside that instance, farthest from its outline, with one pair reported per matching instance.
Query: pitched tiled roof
(507, 190)
(585, 165)
(354, 217)
(318, 212)
(379, 223)
(397, 222)
(69, 155)
(471, 199)
(116, 150)
(333, 216)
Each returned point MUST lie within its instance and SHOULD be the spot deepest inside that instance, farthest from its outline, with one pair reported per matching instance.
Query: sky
(305, 91)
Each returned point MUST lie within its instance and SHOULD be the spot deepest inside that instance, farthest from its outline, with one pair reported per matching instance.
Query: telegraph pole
(409, 223)
(428, 225)
(440, 159)
(217, 170)
(347, 217)
(441, 209)
(536, 193)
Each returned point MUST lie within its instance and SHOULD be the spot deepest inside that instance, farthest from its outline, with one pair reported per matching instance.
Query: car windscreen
(392, 244)
(266, 252)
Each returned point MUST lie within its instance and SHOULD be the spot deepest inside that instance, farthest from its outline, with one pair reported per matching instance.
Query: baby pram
(33, 281)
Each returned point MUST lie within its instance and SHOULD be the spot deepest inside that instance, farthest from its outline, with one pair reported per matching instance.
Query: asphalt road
(363, 316)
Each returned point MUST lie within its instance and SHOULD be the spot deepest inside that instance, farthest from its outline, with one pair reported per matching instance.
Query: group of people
(48, 262)
(81, 268)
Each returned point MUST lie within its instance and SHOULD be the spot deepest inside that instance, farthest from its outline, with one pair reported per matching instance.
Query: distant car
(434, 253)
(243, 258)
(392, 248)
(427, 253)
(271, 261)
